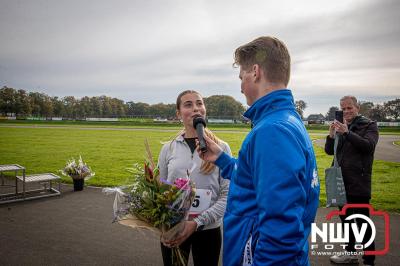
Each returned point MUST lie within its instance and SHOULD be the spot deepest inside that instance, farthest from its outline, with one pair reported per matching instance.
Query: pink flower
(182, 183)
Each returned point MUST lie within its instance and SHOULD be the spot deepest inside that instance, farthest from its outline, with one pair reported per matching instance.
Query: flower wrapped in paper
(153, 203)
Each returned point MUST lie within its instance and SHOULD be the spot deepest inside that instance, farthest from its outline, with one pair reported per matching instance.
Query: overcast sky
(151, 50)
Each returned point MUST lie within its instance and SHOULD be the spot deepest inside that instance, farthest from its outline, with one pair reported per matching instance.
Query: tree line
(22, 104)
(386, 112)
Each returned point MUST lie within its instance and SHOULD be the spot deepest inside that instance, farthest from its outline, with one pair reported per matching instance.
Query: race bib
(201, 202)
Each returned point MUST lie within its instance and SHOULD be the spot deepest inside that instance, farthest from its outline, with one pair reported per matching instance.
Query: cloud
(149, 50)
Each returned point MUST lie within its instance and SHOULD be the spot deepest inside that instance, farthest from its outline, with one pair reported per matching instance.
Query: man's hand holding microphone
(207, 149)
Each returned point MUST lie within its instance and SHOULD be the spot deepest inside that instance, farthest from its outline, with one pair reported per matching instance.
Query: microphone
(199, 124)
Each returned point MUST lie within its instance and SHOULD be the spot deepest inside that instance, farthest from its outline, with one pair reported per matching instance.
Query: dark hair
(270, 54)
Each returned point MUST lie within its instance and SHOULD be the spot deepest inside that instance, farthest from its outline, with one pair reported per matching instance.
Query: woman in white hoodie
(202, 232)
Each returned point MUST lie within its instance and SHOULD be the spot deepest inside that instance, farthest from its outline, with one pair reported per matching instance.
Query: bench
(44, 179)
(10, 197)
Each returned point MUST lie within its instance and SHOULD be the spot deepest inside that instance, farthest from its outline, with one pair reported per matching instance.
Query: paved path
(385, 150)
(76, 229)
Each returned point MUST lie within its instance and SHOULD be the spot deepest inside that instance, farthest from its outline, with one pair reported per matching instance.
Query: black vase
(78, 184)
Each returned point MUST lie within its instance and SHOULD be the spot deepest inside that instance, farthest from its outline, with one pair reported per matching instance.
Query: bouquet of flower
(77, 170)
(153, 203)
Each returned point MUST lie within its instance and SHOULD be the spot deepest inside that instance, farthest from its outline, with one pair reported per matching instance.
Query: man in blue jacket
(274, 189)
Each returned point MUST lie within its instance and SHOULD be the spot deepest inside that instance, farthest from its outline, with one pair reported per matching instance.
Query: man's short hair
(270, 54)
(352, 98)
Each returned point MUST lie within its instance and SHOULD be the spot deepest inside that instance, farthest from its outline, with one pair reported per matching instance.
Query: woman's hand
(188, 230)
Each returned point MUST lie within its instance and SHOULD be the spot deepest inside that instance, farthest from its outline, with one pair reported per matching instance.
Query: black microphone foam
(199, 124)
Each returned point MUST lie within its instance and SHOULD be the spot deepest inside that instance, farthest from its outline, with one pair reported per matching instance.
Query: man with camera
(357, 138)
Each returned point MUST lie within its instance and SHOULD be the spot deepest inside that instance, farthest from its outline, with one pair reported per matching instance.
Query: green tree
(162, 110)
(22, 104)
(141, 109)
(330, 115)
(392, 109)
(377, 113)
(48, 110)
(106, 106)
(365, 108)
(300, 107)
(223, 106)
(118, 107)
(8, 100)
(130, 108)
(96, 107)
(70, 104)
(58, 107)
(37, 103)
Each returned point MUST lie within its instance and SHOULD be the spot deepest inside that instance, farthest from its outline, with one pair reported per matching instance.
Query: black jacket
(355, 154)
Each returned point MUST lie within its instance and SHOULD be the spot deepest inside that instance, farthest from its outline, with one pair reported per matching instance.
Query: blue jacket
(274, 190)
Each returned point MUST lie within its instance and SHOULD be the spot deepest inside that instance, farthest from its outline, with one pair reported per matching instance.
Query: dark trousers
(205, 246)
(352, 199)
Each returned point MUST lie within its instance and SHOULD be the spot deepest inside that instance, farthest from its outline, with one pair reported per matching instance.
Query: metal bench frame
(10, 197)
(41, 178)
(45, 179)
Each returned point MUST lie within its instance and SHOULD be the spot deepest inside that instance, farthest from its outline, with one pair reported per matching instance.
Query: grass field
(111, 151)
(385, 182)
(119, 125)
(148, 123)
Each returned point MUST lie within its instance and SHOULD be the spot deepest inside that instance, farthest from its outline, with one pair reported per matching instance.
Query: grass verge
(110, 152)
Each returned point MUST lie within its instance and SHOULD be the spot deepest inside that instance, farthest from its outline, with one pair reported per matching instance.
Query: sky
(149, 51)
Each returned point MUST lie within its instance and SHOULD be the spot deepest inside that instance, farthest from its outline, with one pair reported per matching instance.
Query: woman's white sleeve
(217, 210)
(162, 161)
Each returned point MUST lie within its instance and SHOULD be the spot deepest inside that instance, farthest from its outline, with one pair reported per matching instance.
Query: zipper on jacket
(187, 145)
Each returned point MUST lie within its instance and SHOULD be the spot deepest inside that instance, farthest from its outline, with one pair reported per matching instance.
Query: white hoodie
(176, 159)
